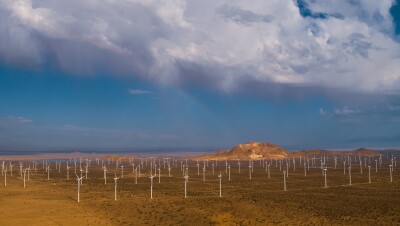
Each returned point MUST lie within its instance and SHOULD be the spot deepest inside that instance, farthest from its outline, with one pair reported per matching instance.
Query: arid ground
(257, 201)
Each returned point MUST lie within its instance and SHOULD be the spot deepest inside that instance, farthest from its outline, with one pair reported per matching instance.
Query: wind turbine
(326, 185)
(68, 171)
(20, 169)
(81, 174)
(287, 169)
(229, 170)
(115, 190)
(48, 172)
(159, 174)
(369, 174)
(105, 174)
(284, 180)
(29, 169)
(220, 184)
(11, 165)
(186, 180)
(79, 179)
(136, 174)
(5, 176)
(204, 173)
(250, 171)
(151, 187)
(24, 172)
(390, 170)
(349, 175)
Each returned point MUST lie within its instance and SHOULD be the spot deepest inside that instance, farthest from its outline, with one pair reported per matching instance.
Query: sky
(198, 75)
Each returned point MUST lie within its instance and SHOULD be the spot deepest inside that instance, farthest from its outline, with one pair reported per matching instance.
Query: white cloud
(139, 92)
(345, 111)
(15, 121)
(216, 42)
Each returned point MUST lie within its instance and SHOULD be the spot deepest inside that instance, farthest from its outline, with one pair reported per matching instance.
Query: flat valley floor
(257, 201)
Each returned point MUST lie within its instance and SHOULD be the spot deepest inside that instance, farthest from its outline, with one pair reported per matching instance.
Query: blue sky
(301, 74)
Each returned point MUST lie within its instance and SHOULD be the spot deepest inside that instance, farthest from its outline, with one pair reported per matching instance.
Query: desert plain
(51, 199)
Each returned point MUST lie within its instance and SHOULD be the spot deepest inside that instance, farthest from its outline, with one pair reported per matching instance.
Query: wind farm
(272, 195)
(129, 112)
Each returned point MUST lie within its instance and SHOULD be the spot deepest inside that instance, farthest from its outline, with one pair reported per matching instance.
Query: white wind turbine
(349, 175)
(81, 174)
(204, 173)
(151, 186)
(115, 190)
(29, 169)
(136, 175)
(229, 171)
(24, 172)
(369, 174)
(284, 180)
(5, 176)
(11, 170)
(79, 179)
(249, 171)
(325, 169)
(186, 180)
(287, 169)
(48, 172)
(20, 169)
(105, 174)
(220, 184)
(68, 171)
(159, 174)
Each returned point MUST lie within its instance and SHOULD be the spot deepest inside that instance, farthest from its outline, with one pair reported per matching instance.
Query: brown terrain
(260, 200)
(261, 150)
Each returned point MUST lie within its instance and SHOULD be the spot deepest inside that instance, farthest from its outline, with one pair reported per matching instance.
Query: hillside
(251, 150)
(257, 150)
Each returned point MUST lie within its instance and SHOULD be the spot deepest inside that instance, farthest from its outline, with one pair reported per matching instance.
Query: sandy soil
(259, 201)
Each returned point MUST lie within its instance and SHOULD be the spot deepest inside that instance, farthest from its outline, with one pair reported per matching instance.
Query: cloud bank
(219, 43)
(139, 92)
(14, 121)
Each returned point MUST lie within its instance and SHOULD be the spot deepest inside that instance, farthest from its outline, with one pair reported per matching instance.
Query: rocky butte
(257, 150)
